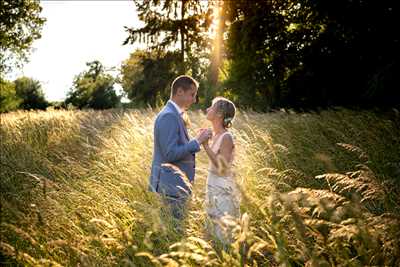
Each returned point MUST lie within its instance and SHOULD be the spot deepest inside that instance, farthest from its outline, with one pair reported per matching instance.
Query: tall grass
(317, 190)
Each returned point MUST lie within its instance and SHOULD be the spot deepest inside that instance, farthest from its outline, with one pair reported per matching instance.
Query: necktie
(185, 119)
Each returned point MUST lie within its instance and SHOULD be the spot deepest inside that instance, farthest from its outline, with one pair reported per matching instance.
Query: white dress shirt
(176, 106)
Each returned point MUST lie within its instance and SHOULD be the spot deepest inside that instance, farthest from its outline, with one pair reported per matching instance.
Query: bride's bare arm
(226, 148)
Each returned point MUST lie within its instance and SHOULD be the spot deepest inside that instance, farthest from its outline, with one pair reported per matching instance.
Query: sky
(77, 32)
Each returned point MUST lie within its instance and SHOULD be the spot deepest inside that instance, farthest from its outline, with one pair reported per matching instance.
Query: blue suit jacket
(173, 167)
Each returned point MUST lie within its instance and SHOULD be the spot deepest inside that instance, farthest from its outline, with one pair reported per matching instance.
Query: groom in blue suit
(173, 167)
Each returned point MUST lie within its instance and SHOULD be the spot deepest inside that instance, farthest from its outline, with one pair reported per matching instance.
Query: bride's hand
(203, 135)
(209, 135)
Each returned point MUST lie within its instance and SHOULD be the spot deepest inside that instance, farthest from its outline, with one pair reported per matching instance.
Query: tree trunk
(216, 59)
(182, 32)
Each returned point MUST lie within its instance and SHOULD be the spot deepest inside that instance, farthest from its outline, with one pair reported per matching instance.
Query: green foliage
(299, 54)
(169, 23)
(31, 93)
(20, 25)
(250, 74)
(93, 88)
(307, 54)
(146, 76)
(25, 93)
(8, 98)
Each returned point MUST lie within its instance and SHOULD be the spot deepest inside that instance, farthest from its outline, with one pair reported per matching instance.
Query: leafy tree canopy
(20, 25)
(8, 98)
(93, 88)
(302, 53)
(146, 76)
(31, 93)
(171, 23)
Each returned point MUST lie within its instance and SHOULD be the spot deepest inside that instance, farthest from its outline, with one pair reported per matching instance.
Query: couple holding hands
(173, 166)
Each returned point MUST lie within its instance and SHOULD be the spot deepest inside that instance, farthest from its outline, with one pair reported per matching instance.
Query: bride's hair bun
(226, 108)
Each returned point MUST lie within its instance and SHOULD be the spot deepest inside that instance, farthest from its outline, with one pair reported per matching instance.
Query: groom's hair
(183, 81)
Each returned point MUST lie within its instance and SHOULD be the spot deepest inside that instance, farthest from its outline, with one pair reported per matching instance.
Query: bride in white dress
(222, 194)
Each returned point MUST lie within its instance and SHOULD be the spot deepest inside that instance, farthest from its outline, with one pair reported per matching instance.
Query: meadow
(318, 189)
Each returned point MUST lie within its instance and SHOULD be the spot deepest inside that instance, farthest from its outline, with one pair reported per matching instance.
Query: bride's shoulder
(228, 138)
(228, 135)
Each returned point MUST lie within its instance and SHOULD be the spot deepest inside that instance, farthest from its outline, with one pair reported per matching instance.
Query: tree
(8, 99)
(354, 54)
(20, 25)
(146, 76)
(31, 93)
(255, 36)
(93, 88)
(217, 48)
(170, 22)
(306, 54)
